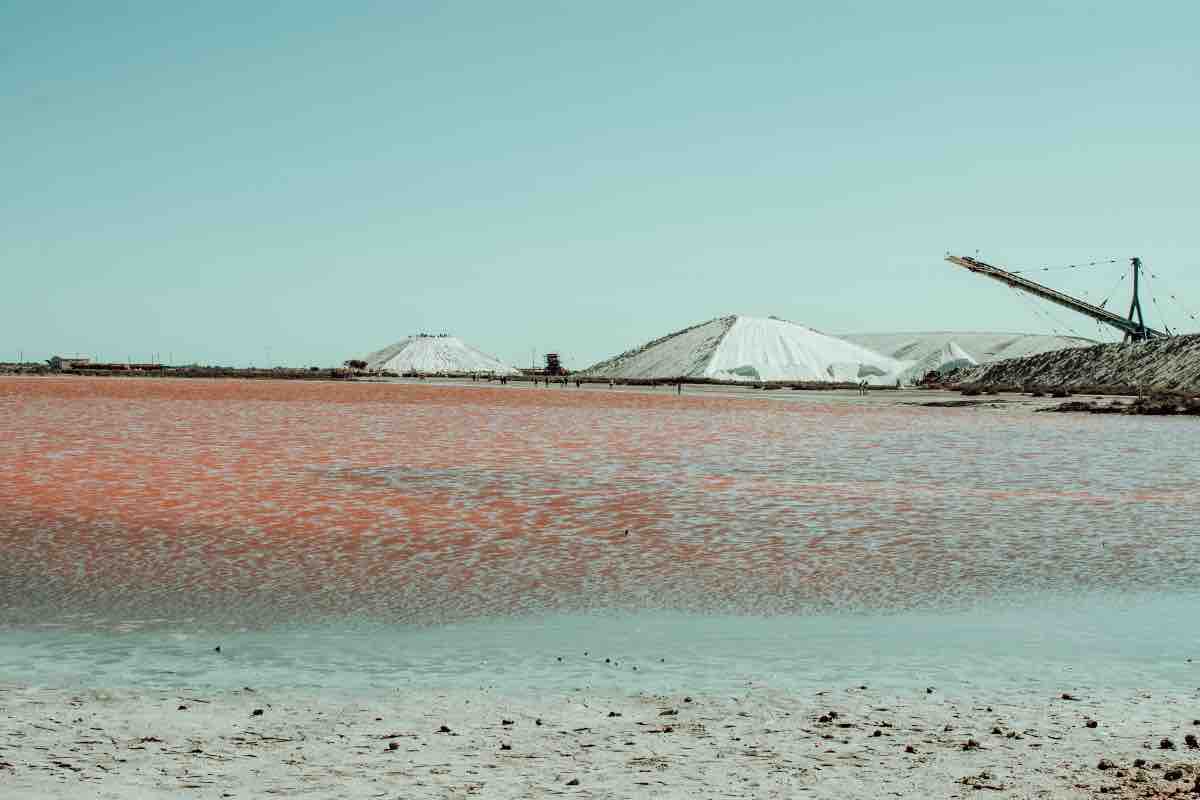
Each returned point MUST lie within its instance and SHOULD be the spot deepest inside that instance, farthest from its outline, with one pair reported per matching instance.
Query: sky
(304, 182)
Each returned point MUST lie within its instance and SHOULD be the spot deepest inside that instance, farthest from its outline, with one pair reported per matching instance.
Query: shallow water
(1097, 643)
(458, 525)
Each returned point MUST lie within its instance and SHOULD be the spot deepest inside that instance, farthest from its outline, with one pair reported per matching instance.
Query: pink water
(264, 502)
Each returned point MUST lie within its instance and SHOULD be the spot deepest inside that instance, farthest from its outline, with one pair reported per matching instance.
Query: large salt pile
(943, 351)
(435, 355)
(749, 349)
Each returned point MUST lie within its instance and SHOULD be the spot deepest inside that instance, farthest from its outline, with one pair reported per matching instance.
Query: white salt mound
(978, 347)
(435, 355)
(751, 349)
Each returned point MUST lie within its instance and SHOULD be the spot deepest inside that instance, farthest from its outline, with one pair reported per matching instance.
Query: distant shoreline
(336, 374)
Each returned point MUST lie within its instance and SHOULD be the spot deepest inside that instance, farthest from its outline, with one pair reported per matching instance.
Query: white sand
(759, 743)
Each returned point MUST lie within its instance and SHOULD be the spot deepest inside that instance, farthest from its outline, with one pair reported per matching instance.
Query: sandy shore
(761, 743)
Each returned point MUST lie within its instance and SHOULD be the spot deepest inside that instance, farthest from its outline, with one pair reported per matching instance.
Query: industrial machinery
(1133, 326)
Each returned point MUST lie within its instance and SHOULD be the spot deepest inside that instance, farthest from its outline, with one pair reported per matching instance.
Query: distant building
(69, 362)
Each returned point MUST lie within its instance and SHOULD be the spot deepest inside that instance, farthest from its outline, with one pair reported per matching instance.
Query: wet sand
(840, 743)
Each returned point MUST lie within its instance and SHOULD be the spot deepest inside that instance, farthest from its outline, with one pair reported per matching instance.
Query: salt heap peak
(943, 351)
(435, 355)
(751, 349)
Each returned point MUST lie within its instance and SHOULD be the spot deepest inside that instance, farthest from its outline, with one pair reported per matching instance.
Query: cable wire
(1080, 265)
(1182, 308)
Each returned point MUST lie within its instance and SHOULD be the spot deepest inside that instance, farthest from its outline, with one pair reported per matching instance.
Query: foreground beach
(838, 743)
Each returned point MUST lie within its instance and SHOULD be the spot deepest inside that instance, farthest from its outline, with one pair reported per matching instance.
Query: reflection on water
(244, 504)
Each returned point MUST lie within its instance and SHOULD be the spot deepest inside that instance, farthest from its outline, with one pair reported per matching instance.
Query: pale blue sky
(208, 180)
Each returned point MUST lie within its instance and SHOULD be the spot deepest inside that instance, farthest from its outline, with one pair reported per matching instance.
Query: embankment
(1160, 365)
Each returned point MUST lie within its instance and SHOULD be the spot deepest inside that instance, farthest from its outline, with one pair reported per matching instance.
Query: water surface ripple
(134, 503)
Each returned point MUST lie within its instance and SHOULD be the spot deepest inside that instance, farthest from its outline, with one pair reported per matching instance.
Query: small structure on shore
(68, 362)
(426, 354)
